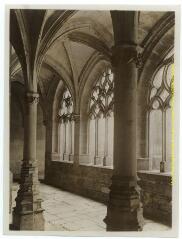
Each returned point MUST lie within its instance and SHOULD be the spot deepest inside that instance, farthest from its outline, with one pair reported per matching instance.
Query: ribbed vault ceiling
(72, 38)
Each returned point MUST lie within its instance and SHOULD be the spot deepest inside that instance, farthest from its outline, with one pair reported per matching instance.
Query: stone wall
(88, 181)
(156, 196)
(93, 182)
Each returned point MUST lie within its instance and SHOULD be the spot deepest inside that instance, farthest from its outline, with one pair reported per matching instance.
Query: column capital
(72, 117)
(32, 97)
(45, 122)
(126, 54)
(76, 118)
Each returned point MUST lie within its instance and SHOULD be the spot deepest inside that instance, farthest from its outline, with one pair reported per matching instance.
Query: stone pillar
(163, 161)
(71, 134)
(54, 134)
(124, 212)
(48, 147)
(10, 195)
(96, 142)
(28, 213)
(64, 154)
(106, 142)
(76, 118)
(143, 160)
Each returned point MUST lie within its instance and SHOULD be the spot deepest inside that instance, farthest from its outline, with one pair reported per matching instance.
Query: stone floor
(65, 211)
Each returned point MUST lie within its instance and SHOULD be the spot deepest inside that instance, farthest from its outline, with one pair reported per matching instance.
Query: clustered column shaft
(124, 212)
(27, 214)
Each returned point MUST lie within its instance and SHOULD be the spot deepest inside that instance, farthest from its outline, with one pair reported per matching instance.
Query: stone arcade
(90, 112)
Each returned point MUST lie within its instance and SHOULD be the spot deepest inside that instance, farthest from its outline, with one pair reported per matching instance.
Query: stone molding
(76, 118)
(91, 41)
(124, 212)
(49, 34)
(157, 32)
(32, 97)
(73, 117)
(126, 54)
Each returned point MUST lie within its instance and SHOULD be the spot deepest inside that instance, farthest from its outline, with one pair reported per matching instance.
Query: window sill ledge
(95, 166)
(62, 161)
(155, 172)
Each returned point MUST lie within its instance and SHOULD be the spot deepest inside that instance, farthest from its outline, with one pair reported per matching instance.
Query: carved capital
(126, 54)
(62, 119)
(76, 118)
(65, 118)
(139, 60)
(45, 122)
(32, 98)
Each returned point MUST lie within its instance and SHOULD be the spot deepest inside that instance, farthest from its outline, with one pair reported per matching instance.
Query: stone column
(143, 124)
(76, 118)
(65, 139)
(54, 134)
(70, 139)
(28, 213)
(10, 194)
(163, 161)
(106, 142)
(124, 212)
(48, 147)
(96, 141)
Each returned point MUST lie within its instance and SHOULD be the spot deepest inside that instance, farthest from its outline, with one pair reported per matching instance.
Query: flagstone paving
(65, 211)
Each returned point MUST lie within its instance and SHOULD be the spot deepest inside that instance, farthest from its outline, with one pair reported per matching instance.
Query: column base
(31, 221)
(71, 157)
(162, 167)
(98, 160)
(124, 211)
(107, 161)
(28, 213)
(76, 160)
(144, 164)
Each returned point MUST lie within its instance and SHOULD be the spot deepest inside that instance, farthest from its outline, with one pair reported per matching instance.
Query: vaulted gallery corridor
(72, 212)
(91, 99)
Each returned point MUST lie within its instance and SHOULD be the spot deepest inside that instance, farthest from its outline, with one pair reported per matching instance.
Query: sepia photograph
(92, 102)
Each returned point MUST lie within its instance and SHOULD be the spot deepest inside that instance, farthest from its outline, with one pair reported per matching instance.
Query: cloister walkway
(65, 211)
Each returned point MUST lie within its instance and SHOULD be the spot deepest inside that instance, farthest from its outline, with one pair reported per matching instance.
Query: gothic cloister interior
(90, 117)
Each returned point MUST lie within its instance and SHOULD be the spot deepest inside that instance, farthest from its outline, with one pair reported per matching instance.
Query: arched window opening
(160, 130)
(101, 120)
(66, 128)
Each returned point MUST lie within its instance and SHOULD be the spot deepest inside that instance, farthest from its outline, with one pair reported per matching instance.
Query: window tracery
(101, 120)
(66, 109)
(66, 127)
(160, 94)
(102, 96)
